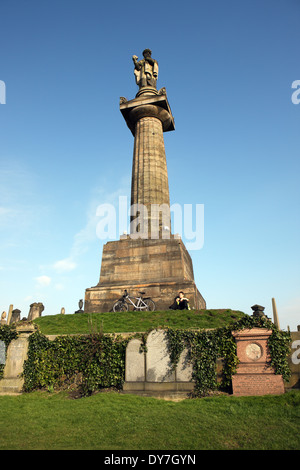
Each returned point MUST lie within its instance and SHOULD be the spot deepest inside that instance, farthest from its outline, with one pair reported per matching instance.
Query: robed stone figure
(145, 70)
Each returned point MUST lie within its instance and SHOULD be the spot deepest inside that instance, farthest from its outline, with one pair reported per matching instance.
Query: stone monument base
(257, 384)
(161, 268)
(11, 386)
(169, 391)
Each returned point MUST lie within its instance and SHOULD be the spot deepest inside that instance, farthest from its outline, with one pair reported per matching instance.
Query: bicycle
(143, 303)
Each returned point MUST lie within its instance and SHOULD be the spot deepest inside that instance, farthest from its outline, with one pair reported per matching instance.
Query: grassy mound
(45, 421)
(83, 323)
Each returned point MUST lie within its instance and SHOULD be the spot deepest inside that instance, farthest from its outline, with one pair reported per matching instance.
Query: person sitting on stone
(180, 302)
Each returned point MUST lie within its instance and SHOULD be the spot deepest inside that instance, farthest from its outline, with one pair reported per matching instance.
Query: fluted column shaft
(150, 176)
(148, 116)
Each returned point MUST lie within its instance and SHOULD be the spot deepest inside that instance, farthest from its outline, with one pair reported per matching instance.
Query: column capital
(147, 106)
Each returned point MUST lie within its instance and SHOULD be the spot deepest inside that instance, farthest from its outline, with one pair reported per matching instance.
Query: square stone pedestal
(161, 268)
(255, 375)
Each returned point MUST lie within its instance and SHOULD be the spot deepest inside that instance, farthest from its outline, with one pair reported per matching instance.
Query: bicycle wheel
(140, 305)
(150, 304)
(120, 306)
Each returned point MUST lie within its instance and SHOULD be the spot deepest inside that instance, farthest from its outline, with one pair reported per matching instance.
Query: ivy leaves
(206, 346)
(7, 334)
(98, 360)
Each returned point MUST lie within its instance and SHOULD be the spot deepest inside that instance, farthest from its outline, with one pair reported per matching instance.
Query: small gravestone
(80, 305)
(15, 316)
(3, 318)
(158, 364)
(63, 311)
(35, 311)
(135, 362)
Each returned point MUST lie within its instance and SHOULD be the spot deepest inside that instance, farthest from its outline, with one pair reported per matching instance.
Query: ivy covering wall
(96, 361)
(207, 345)
(7, 334)
(91, 362)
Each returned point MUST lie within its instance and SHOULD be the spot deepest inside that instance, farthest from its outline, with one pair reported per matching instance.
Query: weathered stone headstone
(13, 381)
(3, 318)
(63, 311)
(135, 362)
(35, 311)
(15, 316)
(80, 305)
(158, 364)
(152, 373)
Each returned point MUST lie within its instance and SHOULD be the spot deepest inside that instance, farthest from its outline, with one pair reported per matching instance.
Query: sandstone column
(148, 116)
(150, 259)
(149, 185)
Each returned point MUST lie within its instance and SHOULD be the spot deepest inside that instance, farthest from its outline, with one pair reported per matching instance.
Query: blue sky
(228, 68)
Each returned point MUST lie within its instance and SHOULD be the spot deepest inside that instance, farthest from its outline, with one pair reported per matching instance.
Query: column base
(161, 268)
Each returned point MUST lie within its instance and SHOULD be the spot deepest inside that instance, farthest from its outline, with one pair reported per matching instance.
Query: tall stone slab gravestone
(12, 381)
(151, 258)
(15, 316)
(149, 370)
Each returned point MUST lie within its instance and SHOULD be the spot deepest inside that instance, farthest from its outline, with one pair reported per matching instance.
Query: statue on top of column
(145, 70)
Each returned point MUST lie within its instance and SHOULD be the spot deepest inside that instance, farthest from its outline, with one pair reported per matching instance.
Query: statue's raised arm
(145, 70)
(137, 65)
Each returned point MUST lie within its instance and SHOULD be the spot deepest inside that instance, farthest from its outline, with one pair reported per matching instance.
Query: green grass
(136, 321)
(113, 421)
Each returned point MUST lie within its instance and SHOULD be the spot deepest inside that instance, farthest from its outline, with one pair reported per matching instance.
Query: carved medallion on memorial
(253, 351)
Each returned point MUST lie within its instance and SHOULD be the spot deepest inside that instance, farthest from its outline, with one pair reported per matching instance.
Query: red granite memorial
(255, 375)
